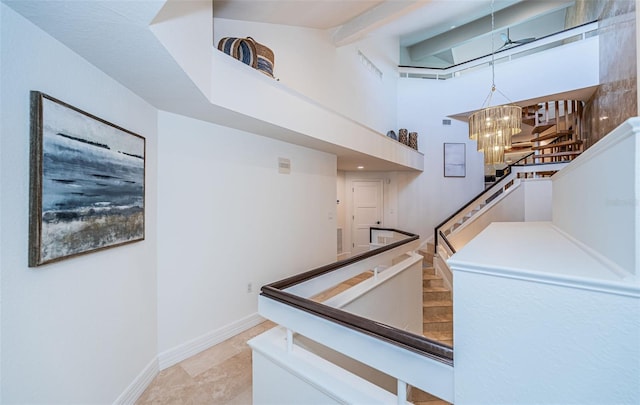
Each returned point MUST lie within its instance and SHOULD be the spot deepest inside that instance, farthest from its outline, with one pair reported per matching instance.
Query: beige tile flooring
(219, 375)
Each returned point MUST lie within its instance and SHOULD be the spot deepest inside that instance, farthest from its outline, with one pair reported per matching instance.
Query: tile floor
(220, 375)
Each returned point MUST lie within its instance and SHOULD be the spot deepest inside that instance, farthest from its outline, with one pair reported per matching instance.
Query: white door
(367, 212)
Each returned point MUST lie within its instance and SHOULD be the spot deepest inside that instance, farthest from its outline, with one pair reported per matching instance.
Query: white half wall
(395, 301)
(307, 61)
(524, 342)
(83, 329)
(228, 218)
(596, 199)
(540, 319)
(537, 199)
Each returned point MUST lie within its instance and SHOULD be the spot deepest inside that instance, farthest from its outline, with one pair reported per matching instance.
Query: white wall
(228, 218)
(341, 215)
(306, 60)
(184, 29)
(428, 198)
(341, 199)
(80, 330)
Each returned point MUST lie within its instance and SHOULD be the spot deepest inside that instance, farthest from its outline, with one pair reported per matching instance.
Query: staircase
(557, 134)
(428, 257)
(437, 315)
(437, 303)
(437, 312)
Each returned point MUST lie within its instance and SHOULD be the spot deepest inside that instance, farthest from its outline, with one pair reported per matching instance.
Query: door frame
(390, 200)
(349, 244)
(351, 217)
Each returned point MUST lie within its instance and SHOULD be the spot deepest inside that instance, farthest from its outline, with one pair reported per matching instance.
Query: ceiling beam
(374, 18)
(504, 18)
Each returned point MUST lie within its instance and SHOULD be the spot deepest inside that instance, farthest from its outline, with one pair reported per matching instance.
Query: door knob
(378, 222)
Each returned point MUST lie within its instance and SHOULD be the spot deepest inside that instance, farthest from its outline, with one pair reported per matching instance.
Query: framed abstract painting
(87, 182)
(454, 160)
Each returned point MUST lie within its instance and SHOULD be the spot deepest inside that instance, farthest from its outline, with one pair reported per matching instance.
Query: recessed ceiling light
(360, 167)
(452, 27)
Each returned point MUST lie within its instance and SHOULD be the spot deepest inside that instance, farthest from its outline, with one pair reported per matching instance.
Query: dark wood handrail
(375, 228)
(308, 275)
(467, 205)
(410, 341)
(446, 241)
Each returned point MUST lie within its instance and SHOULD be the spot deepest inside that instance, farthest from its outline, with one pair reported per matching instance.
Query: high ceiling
(431, 33)
(420, 19)
(302, 13)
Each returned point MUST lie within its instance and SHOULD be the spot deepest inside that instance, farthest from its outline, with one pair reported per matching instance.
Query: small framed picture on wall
(454, 160)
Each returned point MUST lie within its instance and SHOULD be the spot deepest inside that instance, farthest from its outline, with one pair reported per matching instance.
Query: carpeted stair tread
(440, 336)
(437, 311)
(428, 254)
(443, 328)
(428, 312)
(432, 281)
(437, 289)
(436, 294)
(438, 303)
(447, 317)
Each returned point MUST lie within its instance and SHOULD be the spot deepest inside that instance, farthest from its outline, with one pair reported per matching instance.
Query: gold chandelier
(493, 127)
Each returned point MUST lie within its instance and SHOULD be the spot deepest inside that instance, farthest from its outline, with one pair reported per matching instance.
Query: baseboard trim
(181, 352)
(131, 394)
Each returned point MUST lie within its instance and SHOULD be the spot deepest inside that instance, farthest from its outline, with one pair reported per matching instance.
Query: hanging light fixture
(493, 127)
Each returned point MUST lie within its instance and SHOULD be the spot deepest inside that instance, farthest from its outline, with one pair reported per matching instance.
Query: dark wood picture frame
(455, 160)
(87, 182)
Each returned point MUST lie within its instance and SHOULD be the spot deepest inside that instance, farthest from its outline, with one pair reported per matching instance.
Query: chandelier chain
(494, 88)
(493, 127)
(493, 69)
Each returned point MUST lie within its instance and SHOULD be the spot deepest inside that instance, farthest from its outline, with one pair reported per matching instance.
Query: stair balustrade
(487, 198)
(345, 333)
